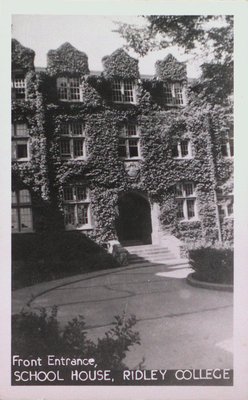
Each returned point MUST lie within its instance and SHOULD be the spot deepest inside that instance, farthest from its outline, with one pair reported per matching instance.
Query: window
(22, 220)
(129, 142)
(69, 89)
(182, 149)
(20, 142)
(123, 92)
(174, 94)
(76, 202)
(19, 86)
(72, 141)
(225, 206)
(227, 148)
(186, 201)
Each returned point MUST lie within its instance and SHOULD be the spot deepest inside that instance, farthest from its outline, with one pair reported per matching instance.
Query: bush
(46, 256)
(38, 335)
(212, 264)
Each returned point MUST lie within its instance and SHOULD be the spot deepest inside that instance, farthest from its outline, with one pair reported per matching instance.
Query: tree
(210, 34)
(208, 37)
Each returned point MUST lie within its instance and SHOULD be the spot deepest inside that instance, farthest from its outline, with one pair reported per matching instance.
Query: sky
(91, 34)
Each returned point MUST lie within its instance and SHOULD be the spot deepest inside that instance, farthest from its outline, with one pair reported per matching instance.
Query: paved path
(180, 326)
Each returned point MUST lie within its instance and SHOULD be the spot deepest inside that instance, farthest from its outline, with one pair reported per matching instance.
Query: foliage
(46, 256)
(120, 65)
(102, 170)
(65, 59)
(22, 57)
(187, 32)
(212, 264)
(207, 37)
(40, 334)
(170, 69)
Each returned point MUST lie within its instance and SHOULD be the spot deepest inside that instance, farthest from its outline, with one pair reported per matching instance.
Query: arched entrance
(133, 223)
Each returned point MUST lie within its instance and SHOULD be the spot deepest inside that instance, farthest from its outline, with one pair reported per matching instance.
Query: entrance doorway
(133, 223)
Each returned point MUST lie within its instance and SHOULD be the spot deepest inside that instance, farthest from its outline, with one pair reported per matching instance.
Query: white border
(239, 9)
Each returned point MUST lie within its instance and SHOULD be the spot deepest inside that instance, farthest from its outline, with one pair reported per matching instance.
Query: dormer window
(19, 86)
(72, 141)
(129, 142)
(123, 92)
(69, 89)
(20, 142)
(174, 94)
(182, 149)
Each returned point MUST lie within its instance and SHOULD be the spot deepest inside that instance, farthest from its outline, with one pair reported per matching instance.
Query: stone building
(117, 155)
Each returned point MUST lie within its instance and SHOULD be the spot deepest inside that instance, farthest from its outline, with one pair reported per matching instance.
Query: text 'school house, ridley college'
(115, 154)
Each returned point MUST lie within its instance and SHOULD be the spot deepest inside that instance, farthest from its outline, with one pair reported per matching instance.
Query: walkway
(180, 326)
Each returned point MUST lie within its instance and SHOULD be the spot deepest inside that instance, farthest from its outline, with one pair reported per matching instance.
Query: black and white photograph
(122, 202)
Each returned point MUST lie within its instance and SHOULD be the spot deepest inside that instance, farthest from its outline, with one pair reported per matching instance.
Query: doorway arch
(133, 223)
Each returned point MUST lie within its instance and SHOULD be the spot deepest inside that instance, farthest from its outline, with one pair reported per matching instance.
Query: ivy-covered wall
(170, 69)
(66, 60)
(102, 170)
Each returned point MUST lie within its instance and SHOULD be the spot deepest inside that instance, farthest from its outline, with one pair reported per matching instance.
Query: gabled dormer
(68, 65)
(67, 59)
(22, 62)
(123, 72)
(174, 77)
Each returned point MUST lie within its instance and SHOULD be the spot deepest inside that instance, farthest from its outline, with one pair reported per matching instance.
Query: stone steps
(149, 254)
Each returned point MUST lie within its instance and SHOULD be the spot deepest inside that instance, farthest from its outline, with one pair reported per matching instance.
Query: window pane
(13, 198)
(26, 219)
(78, 147)
(116, 91)
(82, 214)
(76, 128)
(20, 87)
(65, 148)
(174, 151)
(24, 196)
(69, 211)
(122, 148)
(178, 94)
(13, 150)
(191, 208)
(168, 94)
(62, 88)
(189, 189)
(21, 150)
(131, 130)
(81, 193)
(122, 92)
(230, 207)
(179, 189)
(65, 129)
(68, 194)
(231, 147)
(180, 213)
(14, 219)
(184, 148)
(74, 89)
(224, 150)
(221, 211)
(128, 92)
(21, 130)
(133, 148)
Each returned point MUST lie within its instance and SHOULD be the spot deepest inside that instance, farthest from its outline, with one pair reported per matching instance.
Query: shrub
(47, 256)
(39, 334)
(212, 264)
